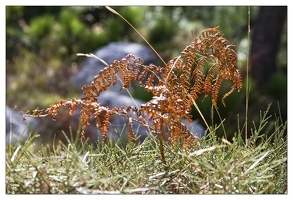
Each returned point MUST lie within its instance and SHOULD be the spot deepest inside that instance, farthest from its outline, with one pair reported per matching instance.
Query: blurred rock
(17, 130)
(114, 99)
(114, 51)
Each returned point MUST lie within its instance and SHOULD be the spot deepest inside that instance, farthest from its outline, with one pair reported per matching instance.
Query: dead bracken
(200, 69)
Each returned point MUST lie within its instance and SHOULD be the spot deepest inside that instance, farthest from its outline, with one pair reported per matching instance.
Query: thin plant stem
(247, 68)
(225, 134)
(198, 110)
(116, 13)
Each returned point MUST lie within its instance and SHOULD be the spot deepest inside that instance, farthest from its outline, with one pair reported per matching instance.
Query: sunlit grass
(213, 166)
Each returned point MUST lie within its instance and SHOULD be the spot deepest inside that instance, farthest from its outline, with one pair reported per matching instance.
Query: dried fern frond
(201, 68)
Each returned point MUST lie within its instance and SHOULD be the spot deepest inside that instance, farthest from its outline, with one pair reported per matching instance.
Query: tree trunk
(266, 34)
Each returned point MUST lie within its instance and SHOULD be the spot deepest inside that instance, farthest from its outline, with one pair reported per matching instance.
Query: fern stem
(162, 152)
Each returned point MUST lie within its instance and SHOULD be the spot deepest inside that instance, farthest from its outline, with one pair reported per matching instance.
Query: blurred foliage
(42, 42)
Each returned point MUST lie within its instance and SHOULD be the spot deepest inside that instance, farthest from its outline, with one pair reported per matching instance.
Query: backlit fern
(200, 69)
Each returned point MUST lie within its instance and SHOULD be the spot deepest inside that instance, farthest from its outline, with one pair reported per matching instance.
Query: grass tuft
(213, 166)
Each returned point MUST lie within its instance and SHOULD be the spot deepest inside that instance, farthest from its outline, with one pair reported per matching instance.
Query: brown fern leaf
(182, 134)
(185, 78)
(198, 78)
(201, 68)
(237, 85)
(208, 83)
(216, 89)
(215, 52)
(131, 135)
(128, 68)
(150, 79)
(209, 33)
(102, 117)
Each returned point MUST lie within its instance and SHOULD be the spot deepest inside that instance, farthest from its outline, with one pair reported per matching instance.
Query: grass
(213, 166)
